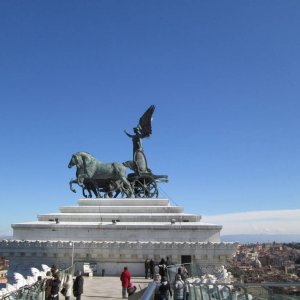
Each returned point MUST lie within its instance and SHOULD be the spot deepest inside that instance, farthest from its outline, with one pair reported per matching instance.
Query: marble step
(124, 202)
(121, 209)
(122, 217)
(119, 232)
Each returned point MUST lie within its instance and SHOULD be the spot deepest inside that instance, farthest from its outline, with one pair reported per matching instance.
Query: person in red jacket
(125, 278)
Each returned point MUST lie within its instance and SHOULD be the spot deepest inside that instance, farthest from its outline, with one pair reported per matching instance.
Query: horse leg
(80, 180)
(120, 173)
(89, 188)
(89, 191)
(109, 188)
(127, 185)
(71, 185)
(123, 191)
(118, 189)
(95, 189)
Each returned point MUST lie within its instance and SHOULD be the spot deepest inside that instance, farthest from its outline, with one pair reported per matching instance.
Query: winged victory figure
(142, 130)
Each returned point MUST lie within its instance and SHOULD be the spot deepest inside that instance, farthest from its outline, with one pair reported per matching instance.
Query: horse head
(76, 160)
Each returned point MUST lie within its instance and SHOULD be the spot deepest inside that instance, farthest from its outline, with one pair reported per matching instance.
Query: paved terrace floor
(107, 287)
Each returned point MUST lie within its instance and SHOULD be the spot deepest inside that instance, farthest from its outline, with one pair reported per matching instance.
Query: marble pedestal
(112, 233)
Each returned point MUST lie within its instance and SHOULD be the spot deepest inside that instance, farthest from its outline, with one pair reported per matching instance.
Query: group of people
(53, 285)
(149, 268)
(158, 272)
(152, 268)
(164, 289)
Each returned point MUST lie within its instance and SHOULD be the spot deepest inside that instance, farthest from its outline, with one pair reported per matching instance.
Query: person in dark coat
(151, 266)
(47, 285)
(78, 286)
(55, 286)
(165, 289)
(162, 268)
(125, 278)
(168, 262)
(147, 268)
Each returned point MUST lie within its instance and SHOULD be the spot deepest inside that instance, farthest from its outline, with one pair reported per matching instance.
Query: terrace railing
(219, 291)
(35, 291)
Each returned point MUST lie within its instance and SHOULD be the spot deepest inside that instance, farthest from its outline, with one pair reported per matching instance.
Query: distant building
(3, 269)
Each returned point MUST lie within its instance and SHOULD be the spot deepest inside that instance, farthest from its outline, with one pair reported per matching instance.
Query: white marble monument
(112, 233)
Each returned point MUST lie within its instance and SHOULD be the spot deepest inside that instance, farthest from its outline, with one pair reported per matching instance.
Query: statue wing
(145, 122)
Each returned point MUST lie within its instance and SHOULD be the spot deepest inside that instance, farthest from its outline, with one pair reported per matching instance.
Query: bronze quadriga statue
(109, 179)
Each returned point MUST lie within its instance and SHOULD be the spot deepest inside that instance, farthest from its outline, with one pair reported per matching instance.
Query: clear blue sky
(224, 76)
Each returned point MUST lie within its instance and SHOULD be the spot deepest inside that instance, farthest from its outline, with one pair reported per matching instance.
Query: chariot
(143, 183)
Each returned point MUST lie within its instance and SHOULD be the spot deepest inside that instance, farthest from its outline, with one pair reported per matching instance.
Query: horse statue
(92, 174)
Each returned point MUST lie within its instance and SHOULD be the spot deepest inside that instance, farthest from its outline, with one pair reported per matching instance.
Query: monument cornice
(15, 244)
(110, 226)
